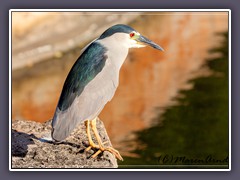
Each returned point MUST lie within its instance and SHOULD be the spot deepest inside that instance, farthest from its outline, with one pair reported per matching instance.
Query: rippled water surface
(193, 133)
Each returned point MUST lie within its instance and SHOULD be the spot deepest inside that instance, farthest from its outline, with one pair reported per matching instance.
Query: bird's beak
(145, 41)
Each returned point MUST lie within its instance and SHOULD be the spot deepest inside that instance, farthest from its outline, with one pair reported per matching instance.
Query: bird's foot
(100, 145)
(102, 149)
(93, 145)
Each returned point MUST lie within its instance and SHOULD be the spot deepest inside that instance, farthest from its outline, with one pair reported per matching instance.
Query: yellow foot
(109, 149)
(100, 145)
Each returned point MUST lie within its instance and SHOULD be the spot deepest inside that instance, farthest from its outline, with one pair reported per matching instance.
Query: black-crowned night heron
(92, 82)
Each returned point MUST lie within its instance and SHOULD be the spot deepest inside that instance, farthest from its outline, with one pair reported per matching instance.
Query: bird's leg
(101, 145)
(91, 143)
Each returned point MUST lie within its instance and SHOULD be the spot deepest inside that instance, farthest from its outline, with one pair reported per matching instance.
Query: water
(193, 133)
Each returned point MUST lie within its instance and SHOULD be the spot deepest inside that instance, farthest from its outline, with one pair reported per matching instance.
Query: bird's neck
(116, 53)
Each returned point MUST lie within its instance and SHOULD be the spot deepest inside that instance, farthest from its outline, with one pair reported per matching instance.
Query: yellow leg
(91, 143)
(100, 145)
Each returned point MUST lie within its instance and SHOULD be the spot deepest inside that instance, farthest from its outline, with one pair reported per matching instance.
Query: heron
(92, 82)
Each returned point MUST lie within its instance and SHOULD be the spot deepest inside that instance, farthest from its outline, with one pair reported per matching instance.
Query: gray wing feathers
(88, 104)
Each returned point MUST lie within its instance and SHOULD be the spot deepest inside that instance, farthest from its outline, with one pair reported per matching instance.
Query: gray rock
(32, 149)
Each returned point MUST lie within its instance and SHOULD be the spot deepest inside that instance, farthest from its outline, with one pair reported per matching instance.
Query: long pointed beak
(145, 40)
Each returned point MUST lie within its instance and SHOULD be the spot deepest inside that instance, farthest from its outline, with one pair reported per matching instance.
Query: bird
(92, 82)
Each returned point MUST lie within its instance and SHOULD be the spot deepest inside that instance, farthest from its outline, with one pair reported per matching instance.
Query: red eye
(131, 34)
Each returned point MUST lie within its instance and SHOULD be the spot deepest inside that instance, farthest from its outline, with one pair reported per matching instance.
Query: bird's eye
(132, 34)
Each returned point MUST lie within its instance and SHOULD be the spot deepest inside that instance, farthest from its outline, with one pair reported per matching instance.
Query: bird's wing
(85, 69)
(90, 84)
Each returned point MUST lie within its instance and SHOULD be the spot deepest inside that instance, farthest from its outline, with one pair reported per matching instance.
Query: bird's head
(127, 36)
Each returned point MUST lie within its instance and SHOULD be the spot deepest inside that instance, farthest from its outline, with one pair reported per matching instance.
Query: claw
(100, 145)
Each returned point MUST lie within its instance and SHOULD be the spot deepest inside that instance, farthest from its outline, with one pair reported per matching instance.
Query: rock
(31, 149)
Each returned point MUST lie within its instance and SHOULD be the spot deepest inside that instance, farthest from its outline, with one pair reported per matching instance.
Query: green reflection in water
(194, 132)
